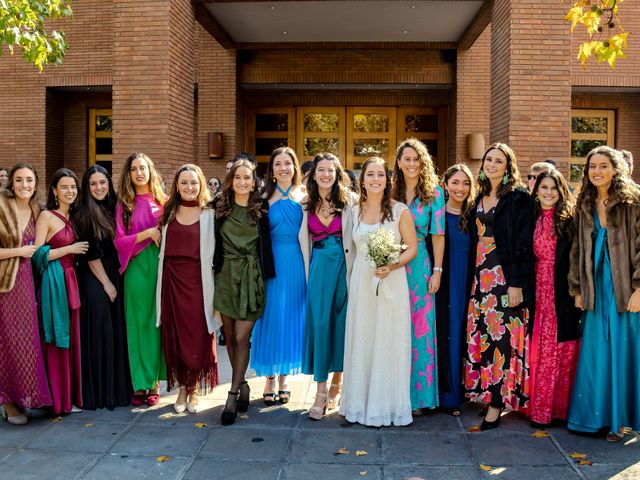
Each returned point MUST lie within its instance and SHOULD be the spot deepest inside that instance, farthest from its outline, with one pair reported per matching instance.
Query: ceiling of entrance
(344, 21)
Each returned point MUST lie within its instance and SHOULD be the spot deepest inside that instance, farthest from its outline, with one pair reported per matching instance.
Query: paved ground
(282, 443)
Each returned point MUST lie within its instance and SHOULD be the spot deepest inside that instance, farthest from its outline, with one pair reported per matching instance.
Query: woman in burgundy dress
(23, 380)
(184, 295)
(553, 354)
(59, 298)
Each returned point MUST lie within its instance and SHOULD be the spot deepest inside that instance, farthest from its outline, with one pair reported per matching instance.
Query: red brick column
(153, 82)
(531, 79)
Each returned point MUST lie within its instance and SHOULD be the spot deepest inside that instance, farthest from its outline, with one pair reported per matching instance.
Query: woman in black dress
(106, 381)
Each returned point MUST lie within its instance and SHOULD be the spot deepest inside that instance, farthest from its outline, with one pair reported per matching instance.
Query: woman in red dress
(184, 295)
(56, 241)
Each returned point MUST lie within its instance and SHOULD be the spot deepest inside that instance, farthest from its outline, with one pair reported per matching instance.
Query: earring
(505, 179)
(56, 198)
(536, 199)
(482, 176)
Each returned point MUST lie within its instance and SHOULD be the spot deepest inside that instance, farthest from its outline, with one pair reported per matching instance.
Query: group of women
(526, 302)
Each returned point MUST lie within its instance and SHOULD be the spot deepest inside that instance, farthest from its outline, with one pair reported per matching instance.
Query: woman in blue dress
(604, 278)
(416, 185)
(277, 337)
(453, 296)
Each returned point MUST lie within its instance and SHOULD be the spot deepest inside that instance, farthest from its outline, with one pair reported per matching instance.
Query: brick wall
(531, 88)
(473, 96)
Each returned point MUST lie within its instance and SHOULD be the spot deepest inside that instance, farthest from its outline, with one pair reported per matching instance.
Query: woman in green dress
(140, 204)
(242, 260)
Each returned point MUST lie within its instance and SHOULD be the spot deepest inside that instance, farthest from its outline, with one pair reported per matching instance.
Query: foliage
(598, 17)
(22, 25)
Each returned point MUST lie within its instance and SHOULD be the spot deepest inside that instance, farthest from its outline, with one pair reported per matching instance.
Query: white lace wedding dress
(377, 362)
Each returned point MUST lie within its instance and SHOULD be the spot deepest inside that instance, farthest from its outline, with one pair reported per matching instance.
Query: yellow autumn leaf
(244, 417)
(56, 420)
(619, 40)
(539, 434)
(343, 451)
(591, 20)
(486, 468)
(576, 455)
(363, 473)
(162, 458)
(88, 424)
(474, 428)
(200, 425)
(361, 453)
(574, 15)
(585, 462)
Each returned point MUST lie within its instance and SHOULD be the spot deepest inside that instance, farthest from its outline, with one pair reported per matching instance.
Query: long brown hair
(10, 193)
(469, 202)
(127, 192)
(224, 201)
(385, 206)
(171, 208)
(513, 179)
(565, 207)
(622, 188)
(339, 194)
(427, 180)
(93, 218)
(52, 201)
(270, 181)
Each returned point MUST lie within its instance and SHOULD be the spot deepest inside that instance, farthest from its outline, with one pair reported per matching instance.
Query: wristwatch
(437, 269)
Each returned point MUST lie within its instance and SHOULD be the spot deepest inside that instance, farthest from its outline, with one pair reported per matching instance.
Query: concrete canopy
(343, 21)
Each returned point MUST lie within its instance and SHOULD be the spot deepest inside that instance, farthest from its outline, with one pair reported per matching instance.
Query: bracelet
(438, 269)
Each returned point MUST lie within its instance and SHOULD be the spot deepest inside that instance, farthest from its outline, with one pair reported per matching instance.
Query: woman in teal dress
(242, 261)
(416, 185)
(276, 348)
(605, 280)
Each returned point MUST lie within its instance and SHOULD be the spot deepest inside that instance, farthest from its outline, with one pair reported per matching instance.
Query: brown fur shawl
(10, 237)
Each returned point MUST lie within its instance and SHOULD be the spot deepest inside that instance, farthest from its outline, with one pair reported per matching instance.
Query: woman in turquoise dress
(416, 185)
(276, 346)
(605, 280)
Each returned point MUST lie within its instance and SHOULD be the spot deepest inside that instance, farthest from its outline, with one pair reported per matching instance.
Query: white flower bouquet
(382, 250)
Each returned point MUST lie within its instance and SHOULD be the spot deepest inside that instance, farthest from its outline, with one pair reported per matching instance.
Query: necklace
(326, 211)
(453, 209)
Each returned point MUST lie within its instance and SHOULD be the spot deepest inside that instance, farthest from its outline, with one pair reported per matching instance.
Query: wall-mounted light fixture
(216, 144)
(475, 145)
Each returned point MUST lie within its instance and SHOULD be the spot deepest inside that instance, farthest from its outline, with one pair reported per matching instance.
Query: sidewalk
(280, 442)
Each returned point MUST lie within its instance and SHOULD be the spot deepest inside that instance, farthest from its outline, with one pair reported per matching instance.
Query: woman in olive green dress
(242, 261)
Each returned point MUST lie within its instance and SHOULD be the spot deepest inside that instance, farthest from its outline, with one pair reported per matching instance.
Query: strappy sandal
(269, 398)
(284, 395)
(333, 402)
(316, 413)
(243, 397)
(615, 437)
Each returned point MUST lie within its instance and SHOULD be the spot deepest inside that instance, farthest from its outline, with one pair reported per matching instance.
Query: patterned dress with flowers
(495, 368)
(429, 220)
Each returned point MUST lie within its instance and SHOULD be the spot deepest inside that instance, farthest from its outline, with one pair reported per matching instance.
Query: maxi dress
(429, 220)
(189, 348)
(606, 391)
(326, 310)
(451, 338)
(139, 262)
(23, 379)
(277, 337)
(106, 379)
(64, 364)
(377, 365)
(553, 363)
(495, 367)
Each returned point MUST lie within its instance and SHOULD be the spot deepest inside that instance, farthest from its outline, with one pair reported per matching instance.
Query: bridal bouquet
(382, 250)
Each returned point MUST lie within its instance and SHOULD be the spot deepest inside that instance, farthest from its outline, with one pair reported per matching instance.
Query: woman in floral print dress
(495, 368)
(416, 185)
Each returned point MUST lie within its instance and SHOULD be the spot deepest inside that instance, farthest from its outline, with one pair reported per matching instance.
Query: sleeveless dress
(429, 220)
(189, 348)
(553, 363)
(23, 380)
(106, 379)
(64, 365)
(377, 361)
(323, 345)
(277, 337)
(606, 392)
(495, 368)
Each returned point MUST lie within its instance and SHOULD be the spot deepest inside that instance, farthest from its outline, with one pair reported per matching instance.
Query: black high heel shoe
(229, 416)
(243, 398)
(485, 425)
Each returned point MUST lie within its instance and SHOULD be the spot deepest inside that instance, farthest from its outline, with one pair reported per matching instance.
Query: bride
(377, 363)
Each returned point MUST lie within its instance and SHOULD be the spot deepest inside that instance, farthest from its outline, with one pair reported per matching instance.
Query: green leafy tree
(601, 20)
(22, 26)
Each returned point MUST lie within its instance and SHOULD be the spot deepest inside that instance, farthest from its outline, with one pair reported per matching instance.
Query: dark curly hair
(514, 179)
(223, 203)
(427, 180)
(385, 207)
(563, 215)
(339, 194)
